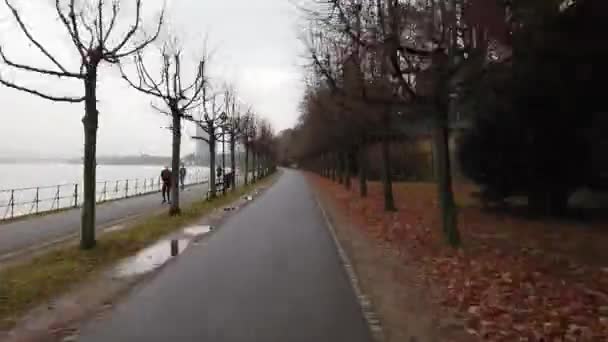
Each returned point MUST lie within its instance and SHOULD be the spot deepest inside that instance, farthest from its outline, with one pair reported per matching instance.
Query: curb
(367, 308)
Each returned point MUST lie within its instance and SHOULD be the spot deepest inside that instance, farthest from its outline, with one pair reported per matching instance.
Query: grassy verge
(26, 285)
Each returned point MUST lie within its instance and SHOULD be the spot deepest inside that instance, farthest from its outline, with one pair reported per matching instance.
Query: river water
(56, 184)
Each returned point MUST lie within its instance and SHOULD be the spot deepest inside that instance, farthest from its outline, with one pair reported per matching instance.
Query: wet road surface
(270, 273)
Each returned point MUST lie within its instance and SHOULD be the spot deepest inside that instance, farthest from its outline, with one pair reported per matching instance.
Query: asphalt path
(270, 273)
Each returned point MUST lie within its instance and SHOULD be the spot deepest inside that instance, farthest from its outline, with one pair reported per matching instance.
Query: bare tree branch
(35, 69)
(398, 74)
(143, 45)
(200, 138)
(146, 84)
(113, 54)
(198, 85)
(149, 91)
(31, 38)
(75, 32)
(158, 109)
(100, 39)
(145, 77)
(68, 27)
(170, 86)
(115, 10)
(40, 94)
(328, 76)
(166, 77)
(90, 30)
(176, 76)
(131, 32)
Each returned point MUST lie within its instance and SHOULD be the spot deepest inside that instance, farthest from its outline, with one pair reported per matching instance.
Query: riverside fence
(21, 202)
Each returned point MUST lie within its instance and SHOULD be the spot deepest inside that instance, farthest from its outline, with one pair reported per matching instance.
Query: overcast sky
(254, 44)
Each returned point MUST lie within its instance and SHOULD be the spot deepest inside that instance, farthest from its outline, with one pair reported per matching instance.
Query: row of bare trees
(218, 113)
(377, 65)
(100, 35)
(224, 119)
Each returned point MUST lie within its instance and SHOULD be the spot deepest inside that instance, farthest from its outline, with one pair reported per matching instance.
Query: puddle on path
(149, 258)
(197, 230)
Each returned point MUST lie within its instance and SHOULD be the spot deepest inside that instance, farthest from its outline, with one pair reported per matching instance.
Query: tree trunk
(254, 166)
(319, 169)
(223, 161)
(347, 171)
(233, 161)
(538, 202)
(261, 162)
(266, 165)
(90, 123)
(340, 167)
(558, 201)
(389, 201)
(331, 160)
(262, 165)
(246, 164)
(258, 175)
(444, 178)
(212, 185)
(550, 202)
(319, 165)
(175, 159)
(362, 172)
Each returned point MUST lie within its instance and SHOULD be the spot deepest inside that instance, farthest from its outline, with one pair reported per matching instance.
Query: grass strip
(24, 286)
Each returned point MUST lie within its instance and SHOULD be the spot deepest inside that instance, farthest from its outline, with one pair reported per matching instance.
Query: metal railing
(21, 202)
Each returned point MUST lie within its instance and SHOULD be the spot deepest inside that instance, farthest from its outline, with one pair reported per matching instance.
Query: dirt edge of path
(406, 304)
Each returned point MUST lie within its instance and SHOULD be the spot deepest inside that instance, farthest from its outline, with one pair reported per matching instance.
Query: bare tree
(249, 133)
(210, 120)
(254, 148)
(424, 51)
(452, 52)
(235, 125)
(346, 52)
(263, 148)
(92, 33)
(179, 98)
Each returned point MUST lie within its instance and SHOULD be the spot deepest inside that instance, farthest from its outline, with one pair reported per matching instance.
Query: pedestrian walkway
(27, 232)
(271, 273)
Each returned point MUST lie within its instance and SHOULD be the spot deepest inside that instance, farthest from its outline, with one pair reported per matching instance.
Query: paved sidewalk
(271, 273)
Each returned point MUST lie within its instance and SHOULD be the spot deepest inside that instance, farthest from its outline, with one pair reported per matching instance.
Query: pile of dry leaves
(514, 279)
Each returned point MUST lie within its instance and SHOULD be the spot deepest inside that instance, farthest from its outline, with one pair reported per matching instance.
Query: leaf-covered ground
(514, 279)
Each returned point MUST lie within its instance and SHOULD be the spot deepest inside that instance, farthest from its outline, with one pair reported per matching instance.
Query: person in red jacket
(165, 177)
